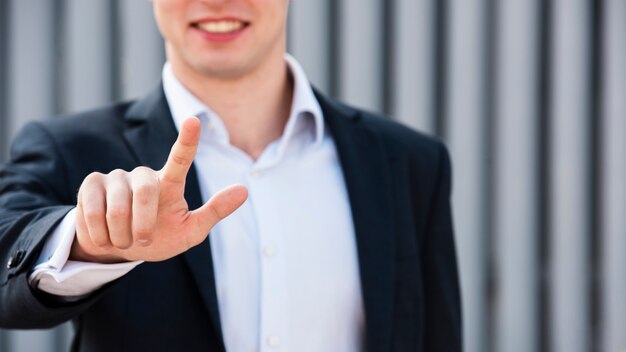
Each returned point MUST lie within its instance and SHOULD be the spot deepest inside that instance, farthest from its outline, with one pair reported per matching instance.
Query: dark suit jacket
(398, 183)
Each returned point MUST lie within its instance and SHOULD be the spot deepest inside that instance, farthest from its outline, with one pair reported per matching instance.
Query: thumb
(221, 204)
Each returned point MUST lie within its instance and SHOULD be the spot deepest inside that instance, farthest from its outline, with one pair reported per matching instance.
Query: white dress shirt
(286, 264)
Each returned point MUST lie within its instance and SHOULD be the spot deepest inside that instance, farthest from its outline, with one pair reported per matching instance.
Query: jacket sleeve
(34, 198)
(443, 328)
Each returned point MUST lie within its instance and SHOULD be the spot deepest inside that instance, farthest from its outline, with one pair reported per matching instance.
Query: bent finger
(93, 210)
(118, 210)
(145, 207)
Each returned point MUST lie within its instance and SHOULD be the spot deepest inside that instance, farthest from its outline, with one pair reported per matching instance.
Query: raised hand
(142, 214)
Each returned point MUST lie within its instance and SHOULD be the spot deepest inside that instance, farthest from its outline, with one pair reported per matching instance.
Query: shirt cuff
(57, 275)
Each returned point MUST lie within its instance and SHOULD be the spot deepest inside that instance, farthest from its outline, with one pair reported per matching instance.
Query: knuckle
(216, 213)
(117, 212)
(180, 160)
(92, 178)
(142, 170)
(117, 173)
(187, 144)
(145, 190)
(92, 215)
(143, 173)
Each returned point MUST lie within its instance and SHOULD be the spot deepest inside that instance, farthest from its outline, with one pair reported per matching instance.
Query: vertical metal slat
(4, 72)
(309, 36)
(31, 77)
(569, 161)
(361, 65)
(141, 53)
(465, 134)
(516, 216)
(614, 174)
(413, 61)
(90, 76)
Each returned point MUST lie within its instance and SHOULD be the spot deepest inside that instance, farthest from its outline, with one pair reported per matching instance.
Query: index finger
(183, 152)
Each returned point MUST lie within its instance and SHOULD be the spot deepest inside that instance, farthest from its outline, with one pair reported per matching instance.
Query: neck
(254, 107)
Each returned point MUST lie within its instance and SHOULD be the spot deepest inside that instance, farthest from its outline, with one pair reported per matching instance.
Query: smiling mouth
(221, 26)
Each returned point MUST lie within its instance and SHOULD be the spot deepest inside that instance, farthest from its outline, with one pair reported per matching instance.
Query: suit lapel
(152, 135)
(365, 167)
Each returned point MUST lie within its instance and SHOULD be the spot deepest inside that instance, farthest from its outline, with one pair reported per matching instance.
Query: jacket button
(15, 259)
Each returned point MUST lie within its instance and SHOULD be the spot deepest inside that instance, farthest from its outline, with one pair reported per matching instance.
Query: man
(344, 243)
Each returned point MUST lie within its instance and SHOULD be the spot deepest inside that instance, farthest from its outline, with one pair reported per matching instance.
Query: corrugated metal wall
(529, 94)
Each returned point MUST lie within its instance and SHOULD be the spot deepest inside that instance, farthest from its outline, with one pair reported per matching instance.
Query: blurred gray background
(530, 96)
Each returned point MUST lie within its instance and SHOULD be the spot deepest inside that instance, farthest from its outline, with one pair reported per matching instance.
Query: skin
(245, 82)
(142, 214)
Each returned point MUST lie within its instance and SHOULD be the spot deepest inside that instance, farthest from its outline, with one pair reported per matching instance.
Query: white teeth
(221, 26)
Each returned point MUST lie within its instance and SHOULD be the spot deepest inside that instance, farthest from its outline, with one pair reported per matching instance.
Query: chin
(225, 68)
(222, 71)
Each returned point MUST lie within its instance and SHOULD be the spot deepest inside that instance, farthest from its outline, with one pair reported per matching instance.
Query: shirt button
(273, 341)
(269, 251)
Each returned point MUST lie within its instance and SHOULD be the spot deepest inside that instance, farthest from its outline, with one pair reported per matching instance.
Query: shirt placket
(273, 298)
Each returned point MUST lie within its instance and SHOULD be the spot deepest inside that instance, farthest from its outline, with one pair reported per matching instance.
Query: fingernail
(144, 242)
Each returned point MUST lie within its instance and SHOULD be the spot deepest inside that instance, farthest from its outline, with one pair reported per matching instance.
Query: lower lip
(220, 37)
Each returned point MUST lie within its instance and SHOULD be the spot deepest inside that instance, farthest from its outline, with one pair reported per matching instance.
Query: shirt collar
(304, 105)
